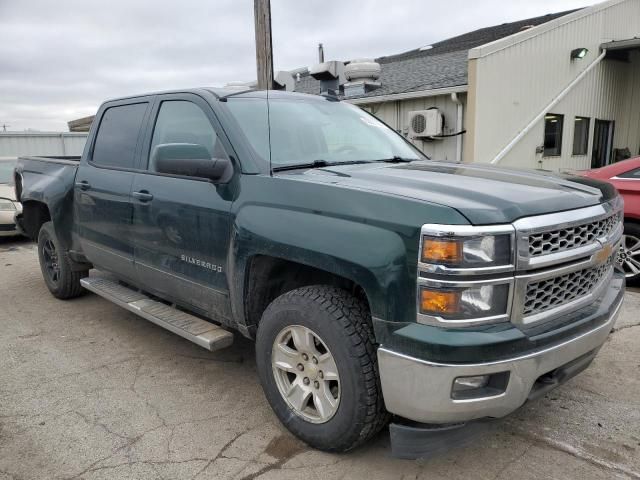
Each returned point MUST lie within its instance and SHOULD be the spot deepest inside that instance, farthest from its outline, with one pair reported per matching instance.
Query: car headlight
(6, 205)
(467, 252)
(480, 302)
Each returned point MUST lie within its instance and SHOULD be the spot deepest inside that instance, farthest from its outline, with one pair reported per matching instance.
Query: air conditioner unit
(425, 123)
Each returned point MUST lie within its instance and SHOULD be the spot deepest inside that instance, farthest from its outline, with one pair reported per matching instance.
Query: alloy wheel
(629, 256)
(50, 257)
(306, 374)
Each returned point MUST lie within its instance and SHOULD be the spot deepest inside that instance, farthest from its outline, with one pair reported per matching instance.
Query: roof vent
(330, 74)
(426, 47)
(526, 27)
(362, 75)
(362, 69)
(284, 81)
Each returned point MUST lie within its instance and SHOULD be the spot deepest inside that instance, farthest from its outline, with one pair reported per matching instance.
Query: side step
(203, 333)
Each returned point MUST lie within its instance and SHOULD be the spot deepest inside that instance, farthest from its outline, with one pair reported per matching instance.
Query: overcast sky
(60, 59)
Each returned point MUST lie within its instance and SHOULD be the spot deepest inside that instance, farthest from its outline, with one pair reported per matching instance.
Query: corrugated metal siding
(15, 144)
(628, 127)
(515, 83)
(396, 115)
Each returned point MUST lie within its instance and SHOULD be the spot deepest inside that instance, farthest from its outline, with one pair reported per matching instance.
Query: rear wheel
(61, 280)
(629, 254)
(317, 363)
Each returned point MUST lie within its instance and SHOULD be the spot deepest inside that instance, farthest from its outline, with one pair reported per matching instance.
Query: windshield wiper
(396, 159)
(317, 164)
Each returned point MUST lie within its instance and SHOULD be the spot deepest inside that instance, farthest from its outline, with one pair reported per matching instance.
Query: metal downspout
(544, 111)
(459, 116)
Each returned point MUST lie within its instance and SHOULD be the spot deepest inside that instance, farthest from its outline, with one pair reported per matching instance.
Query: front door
(602, 143)
(182, 224)
(102, 192)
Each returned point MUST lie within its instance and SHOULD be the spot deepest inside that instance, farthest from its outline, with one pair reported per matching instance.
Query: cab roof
(225, 92)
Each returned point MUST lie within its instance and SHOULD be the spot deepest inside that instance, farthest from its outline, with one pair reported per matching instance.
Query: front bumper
(420, 390)
(7, 223)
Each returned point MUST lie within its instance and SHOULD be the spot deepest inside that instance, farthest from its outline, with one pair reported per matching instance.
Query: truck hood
(7, 191)
(483, 194)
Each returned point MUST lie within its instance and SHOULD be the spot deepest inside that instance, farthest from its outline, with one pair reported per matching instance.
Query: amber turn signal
(436, 301)
(441, 251)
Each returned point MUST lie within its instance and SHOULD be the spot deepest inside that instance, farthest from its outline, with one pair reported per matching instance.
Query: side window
(635, 173)
(183, 122)
(117, 137)
(553, 134)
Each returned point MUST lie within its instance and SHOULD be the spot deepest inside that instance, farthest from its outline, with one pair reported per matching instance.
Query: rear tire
(341, 337)
(61, 280)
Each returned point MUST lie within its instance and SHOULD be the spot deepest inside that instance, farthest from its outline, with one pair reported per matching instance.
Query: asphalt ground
(88, 390)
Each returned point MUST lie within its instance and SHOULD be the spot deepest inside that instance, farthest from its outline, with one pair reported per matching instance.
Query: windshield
(307, 131)
(6, 171)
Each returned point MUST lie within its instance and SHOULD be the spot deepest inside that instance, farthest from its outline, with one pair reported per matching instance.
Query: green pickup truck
(378, 285)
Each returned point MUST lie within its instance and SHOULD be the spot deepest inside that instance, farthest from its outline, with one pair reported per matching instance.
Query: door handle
(143, 196)
(83, 185)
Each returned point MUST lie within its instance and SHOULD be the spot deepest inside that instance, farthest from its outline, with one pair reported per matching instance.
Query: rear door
(182, 224)
(102, 192)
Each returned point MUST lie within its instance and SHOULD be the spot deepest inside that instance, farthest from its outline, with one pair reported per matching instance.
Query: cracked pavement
(90, 391)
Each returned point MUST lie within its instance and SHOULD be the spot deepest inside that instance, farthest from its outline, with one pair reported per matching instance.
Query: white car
(9, 207)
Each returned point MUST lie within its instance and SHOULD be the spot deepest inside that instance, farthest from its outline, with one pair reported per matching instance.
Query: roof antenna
(320, 53)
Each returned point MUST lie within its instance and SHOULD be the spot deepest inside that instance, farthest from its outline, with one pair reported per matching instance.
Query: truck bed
(65, 160)
(46, 180)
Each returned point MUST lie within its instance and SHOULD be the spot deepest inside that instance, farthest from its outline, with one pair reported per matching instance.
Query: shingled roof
(443, 65)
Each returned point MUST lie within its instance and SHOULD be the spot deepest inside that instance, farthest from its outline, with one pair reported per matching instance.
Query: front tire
(629, 255)
(317, 363)
(61, 280)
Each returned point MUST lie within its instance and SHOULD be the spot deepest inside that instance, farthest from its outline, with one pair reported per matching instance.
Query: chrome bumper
(419, 390)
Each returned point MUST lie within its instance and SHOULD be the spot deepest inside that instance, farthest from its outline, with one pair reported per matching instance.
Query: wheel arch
(34, 214)
(267, 277)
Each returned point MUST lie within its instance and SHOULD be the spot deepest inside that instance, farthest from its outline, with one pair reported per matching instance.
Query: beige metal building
(531, 104)
(561, 91)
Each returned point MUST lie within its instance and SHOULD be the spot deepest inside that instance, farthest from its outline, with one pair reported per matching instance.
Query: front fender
(368, 255)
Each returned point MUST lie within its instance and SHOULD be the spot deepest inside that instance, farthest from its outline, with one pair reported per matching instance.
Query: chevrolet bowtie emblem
(604, 253)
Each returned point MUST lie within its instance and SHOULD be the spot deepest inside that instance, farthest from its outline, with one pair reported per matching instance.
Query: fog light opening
(479, 386)
(461, 384)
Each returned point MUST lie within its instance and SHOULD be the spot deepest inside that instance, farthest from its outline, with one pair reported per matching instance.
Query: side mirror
(191, 160)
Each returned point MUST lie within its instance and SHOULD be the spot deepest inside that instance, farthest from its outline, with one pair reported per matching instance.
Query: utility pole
(264, 50)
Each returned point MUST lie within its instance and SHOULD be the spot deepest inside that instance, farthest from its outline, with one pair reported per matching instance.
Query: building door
(602, 143)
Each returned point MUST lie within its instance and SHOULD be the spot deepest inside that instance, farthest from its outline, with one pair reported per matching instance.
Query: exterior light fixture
(579, 53)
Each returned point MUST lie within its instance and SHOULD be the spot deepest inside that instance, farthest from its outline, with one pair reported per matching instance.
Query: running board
(203, 333)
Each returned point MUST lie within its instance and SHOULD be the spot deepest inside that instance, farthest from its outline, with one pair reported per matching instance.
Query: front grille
(568, 238)
(554, 292)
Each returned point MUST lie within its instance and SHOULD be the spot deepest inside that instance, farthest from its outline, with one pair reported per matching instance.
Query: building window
(581, 135)
(553, 134)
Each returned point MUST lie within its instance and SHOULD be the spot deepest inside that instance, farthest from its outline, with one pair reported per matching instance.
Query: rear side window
(635, 173)
(117, 136)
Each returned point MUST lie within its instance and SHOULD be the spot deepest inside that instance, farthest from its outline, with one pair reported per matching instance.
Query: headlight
(477, 302)
(467, 252)
(6, 205)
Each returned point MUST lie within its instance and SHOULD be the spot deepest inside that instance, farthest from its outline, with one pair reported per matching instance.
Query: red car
(625, 176)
